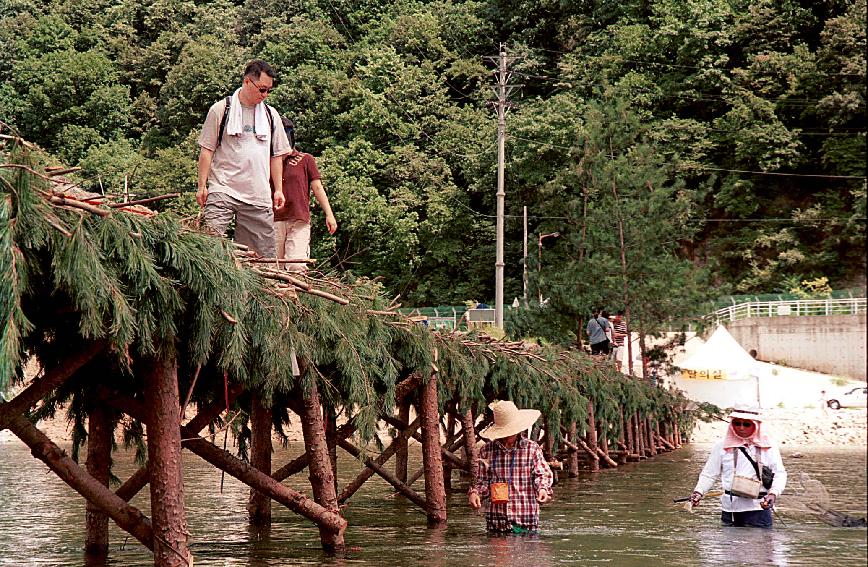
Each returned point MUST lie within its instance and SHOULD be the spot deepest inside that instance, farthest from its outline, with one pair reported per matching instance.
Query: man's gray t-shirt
(597, 329)
(241, 165)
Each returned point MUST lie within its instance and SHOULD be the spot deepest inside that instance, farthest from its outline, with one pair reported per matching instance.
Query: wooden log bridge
(136, 317)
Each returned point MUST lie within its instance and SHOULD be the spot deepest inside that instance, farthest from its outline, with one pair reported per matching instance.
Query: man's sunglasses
(737, 423)
(262, 90)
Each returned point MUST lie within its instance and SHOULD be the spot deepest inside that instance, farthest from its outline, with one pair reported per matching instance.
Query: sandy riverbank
(800, 428)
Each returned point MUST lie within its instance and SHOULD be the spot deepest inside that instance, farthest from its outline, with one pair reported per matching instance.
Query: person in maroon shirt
(292, 221)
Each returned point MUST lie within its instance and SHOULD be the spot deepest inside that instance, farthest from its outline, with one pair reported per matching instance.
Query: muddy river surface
(622, 517)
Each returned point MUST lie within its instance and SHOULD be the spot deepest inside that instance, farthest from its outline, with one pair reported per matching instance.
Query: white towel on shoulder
(235, 124)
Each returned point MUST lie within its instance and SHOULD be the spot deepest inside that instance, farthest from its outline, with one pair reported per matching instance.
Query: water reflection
(524, 550)
(745, 546)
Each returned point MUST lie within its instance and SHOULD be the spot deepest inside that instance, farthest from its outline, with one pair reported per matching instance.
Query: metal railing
(794, 308)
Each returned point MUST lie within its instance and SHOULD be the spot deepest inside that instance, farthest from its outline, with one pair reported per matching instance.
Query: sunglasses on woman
(737, 423)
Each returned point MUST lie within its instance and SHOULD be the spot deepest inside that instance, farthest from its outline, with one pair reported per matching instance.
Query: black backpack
(226, 116)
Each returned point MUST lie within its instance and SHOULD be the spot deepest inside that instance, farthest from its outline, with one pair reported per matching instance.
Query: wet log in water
(127, 517)
(573, 467)
(258, 504)
(363, 476)
(591, 446)
(98, 465)
(401, 454)
(235, 467)
(435, 491)
(162, 418)
(471, 455)
(321, 477)
(401, 487)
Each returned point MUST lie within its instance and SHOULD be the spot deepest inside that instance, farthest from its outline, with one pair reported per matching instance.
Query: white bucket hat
(744, 411)
(509, 420)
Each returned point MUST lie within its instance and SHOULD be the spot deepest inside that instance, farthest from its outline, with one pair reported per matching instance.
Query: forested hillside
(719, 144)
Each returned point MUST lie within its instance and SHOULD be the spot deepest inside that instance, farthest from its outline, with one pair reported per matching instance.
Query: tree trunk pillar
(450, 438)
(163, 422)
(573, 469)
(628, 425)
(330, 423)
(258, 504)
(471, 455)
(649, 433)
(592, 436)
(401, 447)
(322, 479)
(98, 464)
(637, 429)
(435, 492)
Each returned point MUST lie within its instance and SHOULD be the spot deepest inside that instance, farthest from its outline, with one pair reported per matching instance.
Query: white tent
(720, 358)
(720, 372)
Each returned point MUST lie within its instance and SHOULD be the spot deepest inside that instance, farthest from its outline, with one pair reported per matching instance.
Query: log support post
(98, 465)
(450, 438)
(369, 471)
(471, 455)
(127, 517)
(321, 477)
(258, 504)
(637, 431)
(162, 409)
(330, 422)
(592, 438)
(435, 492)
(573, 467)
(401, 444)
(649, 436)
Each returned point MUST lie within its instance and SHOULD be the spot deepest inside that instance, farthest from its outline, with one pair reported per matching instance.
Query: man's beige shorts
(293, 242)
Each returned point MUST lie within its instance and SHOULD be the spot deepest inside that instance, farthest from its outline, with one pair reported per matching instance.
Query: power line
(817, 175)
(673, 65)
(708, 168)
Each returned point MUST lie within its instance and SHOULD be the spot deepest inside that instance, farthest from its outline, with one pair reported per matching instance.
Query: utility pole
(502, 90)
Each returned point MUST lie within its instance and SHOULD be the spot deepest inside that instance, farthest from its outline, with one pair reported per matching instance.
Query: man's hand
(543, 496)
(279, 199)
(331, 224)
(202, 196)
(695, 498)
(474, 500)
(768, 501)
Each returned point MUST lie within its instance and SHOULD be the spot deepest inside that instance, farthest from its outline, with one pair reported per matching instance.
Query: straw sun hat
(509, 420)
(744, 411)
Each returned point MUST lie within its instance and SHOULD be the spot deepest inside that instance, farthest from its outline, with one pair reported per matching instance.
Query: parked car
(852, 398)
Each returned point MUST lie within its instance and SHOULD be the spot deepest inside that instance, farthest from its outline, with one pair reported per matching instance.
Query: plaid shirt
(525, 469)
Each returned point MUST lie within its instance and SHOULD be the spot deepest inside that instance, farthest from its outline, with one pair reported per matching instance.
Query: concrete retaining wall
(834, 344)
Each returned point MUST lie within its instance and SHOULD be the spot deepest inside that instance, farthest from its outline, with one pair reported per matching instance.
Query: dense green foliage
(715, 132)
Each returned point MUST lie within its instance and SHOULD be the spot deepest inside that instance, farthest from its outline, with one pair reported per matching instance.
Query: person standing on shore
(240, 151)
(749, 496)
(512, 472)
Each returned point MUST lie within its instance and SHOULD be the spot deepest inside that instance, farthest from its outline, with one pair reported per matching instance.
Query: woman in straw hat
(738, 461)
(512, 472)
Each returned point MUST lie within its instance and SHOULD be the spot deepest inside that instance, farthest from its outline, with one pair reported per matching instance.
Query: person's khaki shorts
(293, 242)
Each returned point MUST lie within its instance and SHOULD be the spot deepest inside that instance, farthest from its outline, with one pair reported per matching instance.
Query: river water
(620, 517)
